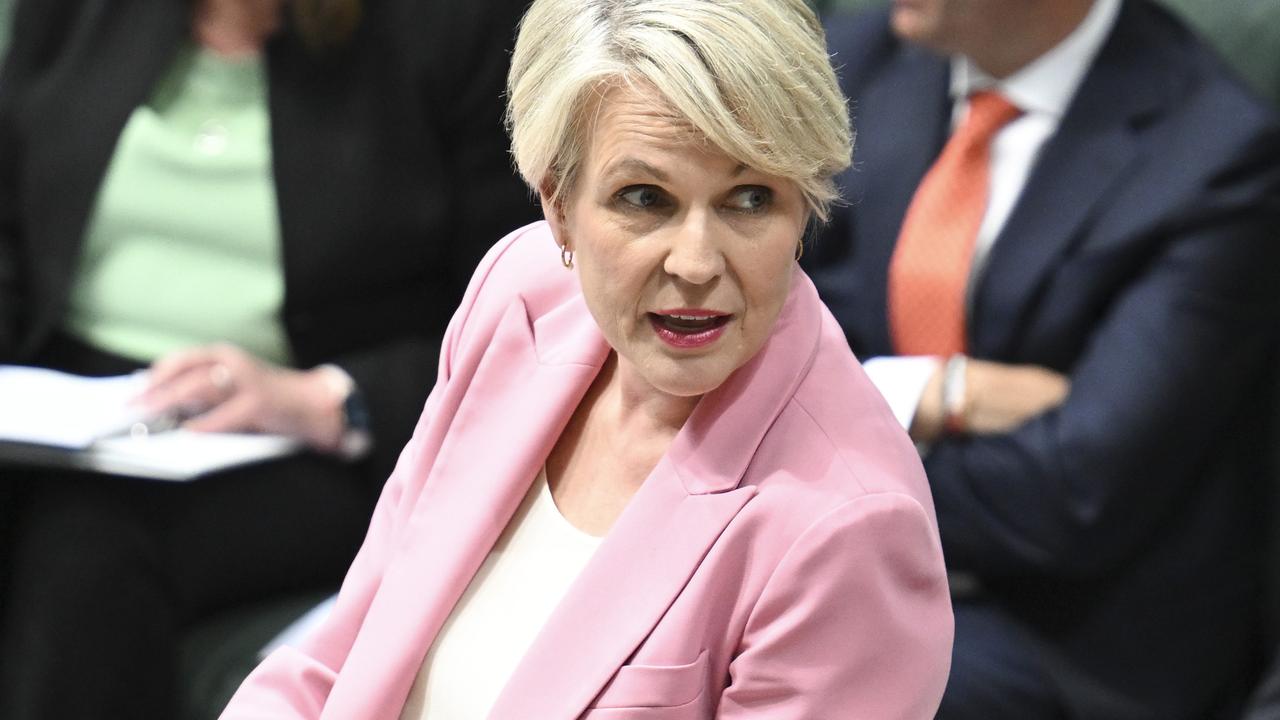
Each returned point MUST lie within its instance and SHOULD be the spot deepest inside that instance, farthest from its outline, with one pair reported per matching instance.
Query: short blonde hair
(752, 76)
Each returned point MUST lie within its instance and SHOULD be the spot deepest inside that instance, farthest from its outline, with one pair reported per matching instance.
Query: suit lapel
(515, 406)
(1094, 147)
(667, 529)
(908, 111)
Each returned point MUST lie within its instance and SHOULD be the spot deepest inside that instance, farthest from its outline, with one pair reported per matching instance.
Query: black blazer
(1141, 260)
(391, 169)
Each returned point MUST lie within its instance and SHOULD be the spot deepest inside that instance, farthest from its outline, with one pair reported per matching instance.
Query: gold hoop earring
(799, 250)
(566, 256)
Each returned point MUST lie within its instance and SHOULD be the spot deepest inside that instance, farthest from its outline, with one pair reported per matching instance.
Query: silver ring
(220, 376)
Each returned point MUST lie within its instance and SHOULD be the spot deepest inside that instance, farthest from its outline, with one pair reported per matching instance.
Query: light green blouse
(183, 243)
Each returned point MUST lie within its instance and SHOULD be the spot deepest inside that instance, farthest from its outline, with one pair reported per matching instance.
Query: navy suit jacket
(1141, 260)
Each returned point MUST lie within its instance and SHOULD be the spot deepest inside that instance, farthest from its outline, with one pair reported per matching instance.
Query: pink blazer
(782, 560)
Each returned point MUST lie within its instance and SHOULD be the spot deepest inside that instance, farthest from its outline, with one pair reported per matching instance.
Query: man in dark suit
(1080, 373)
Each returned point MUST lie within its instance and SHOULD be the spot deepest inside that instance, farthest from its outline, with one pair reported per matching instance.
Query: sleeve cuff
(901, 380)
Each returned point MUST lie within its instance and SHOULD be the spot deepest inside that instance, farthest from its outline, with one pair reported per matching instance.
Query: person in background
(273, 206)
(1059, 265)
(651, 480)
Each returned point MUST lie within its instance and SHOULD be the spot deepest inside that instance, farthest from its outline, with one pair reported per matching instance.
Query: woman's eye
(642, 196)
(752, 198)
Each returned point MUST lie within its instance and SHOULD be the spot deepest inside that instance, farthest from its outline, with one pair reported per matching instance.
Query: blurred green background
(1245, 32)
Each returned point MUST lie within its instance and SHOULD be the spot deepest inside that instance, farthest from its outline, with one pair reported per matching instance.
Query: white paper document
(49, 418)
(69, 411)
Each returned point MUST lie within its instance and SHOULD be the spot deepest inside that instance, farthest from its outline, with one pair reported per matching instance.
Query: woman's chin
(687, 377)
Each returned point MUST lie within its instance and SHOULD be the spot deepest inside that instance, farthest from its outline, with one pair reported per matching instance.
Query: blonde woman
(651, 480)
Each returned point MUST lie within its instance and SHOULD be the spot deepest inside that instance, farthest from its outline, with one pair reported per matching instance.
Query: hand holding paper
(49, 418)
(222, 388)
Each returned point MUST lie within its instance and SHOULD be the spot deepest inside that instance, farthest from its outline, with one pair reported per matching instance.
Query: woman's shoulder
(525, 267)
(837, 440)
(525, 263)
(832, 478)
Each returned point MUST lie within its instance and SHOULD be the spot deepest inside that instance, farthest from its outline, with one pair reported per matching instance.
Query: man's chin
(909, 23)
(922, 22)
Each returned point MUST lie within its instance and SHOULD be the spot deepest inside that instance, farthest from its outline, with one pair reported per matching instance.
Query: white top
(529, 569)
(1042, 90)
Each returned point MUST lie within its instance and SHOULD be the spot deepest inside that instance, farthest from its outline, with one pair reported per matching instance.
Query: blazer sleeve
(294, 683)
(1073, 492)
(854, 622)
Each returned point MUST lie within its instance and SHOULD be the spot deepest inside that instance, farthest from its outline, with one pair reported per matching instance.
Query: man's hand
(998, 398)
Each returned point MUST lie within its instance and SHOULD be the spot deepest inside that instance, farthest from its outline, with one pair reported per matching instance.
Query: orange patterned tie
(930, 266)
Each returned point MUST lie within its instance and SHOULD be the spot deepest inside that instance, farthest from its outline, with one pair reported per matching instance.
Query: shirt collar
(1048, 83)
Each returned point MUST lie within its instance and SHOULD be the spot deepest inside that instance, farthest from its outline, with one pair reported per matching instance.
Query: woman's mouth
(686, 329)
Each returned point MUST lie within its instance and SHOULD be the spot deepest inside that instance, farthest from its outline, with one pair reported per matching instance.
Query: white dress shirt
(1042, 90)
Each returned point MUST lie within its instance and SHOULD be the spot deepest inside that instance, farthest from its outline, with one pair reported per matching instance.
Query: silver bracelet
(953, 393)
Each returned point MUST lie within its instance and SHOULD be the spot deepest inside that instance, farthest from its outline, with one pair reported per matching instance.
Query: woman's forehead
(630, 121)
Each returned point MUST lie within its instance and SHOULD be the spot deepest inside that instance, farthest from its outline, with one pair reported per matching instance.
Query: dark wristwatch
(357, 438)
(357, 435)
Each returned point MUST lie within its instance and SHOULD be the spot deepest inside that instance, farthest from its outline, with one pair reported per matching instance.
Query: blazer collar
(712, 451)
(531, 377)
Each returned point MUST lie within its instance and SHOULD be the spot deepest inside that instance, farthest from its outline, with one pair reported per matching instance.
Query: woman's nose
(694, 255)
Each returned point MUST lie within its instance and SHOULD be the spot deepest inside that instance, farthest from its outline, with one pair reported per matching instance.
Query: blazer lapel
(667, 529)
(515, 406)
(908, 111)
(1093, 148)
(635, 575)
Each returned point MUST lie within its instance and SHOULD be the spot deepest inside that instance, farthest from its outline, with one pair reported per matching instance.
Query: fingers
(183, 361)
(193, 380)
(221, 388)
(221, 378)
(1050, 389)
(270, 399)
(1003, 397)
(240, 413)
(192, 391)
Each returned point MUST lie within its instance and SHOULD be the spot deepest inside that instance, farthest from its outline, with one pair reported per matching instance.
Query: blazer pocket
(653, 686)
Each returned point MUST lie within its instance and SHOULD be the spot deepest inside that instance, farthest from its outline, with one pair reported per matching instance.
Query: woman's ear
(553, 210)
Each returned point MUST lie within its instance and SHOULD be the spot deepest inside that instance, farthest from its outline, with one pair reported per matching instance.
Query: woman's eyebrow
(634, 166)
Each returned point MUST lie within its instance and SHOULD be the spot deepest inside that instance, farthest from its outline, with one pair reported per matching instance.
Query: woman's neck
(619, 432)
(622, 427)
(637, 406)
(235, 27)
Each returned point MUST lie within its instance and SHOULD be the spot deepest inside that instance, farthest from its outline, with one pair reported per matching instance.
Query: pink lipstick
(689, 328)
